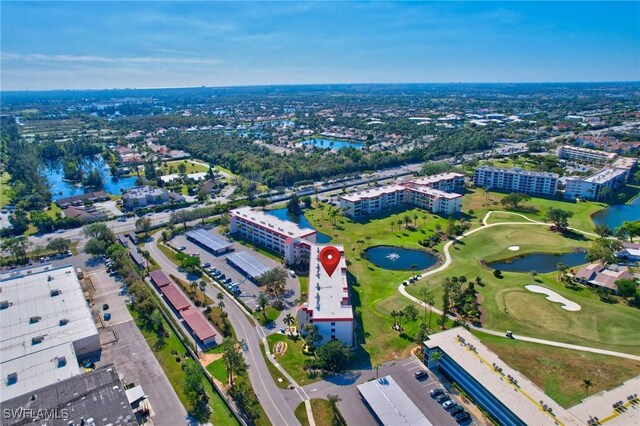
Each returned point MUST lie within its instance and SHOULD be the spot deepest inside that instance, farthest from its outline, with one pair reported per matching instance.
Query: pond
(60, 188)
(331, 143)
(613, 216)
(540, 262)
(300, 220)
(399, 259)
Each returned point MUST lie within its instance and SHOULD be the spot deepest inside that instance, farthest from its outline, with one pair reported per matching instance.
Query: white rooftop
(608, 155)
(392, 406)
(522, 399)
(282, 227)
(372, 193)
(605, 175)
(600, 405)
(624, 163)
(41, 315)
(430, 180)
(328, 295)
(435, 192)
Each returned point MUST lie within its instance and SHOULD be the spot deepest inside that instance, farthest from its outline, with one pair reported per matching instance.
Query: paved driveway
(131, 354)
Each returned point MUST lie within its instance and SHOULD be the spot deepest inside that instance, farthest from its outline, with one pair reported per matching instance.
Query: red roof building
(199, 325)
(178, 301)
(159, 278)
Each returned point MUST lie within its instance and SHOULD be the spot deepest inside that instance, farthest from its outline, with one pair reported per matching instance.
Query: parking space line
(413, 368)
(410, 362)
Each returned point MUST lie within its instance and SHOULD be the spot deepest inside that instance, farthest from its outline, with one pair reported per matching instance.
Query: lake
(61, 188)
(331, 143)
(540, 262)
(399, 259)
(613, 216)
(300, 220)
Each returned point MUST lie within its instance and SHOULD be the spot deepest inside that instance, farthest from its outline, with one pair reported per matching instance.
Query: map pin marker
(329, 258)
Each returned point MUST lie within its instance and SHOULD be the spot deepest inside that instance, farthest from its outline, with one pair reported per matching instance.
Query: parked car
(122, 219)
(442, 398)
(436, 392)
(456, 409)
(182, 248)
(105, 307)
(461, 417)
(421, 375)
(107, 316)
(448, 405)
(206, 265)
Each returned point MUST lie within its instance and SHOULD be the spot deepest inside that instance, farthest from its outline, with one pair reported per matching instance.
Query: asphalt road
(272, 398)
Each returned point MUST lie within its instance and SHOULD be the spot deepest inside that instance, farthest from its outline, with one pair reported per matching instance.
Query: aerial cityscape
(320, 213)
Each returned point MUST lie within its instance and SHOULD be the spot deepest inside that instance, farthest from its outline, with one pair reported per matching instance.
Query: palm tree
(262, 302)
(415, 219)
(289, 320)
(407, 220)
(562, 269)
(368, 239)
(587, 384)
(424, 219)
(413, 268)
(394, 314)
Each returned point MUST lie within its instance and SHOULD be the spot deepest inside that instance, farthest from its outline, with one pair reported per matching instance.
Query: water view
(332, 143)
(540, 262)
(61, 188)
(300, 220)
(613, 216)
(399, 259)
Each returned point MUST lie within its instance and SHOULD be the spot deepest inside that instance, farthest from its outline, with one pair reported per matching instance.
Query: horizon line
(319, 84)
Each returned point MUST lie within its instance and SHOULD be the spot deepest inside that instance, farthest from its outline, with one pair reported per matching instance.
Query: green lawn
(293, 359)
(268, 315)
(218, 370)
(301, 414)
(559, 372)
(374, 290)
(283, 383)
(509, 306)
(221, 414)
(191, 166)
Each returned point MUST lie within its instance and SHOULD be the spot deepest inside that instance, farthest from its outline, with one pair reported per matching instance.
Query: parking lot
(126, 348)
(249, 290)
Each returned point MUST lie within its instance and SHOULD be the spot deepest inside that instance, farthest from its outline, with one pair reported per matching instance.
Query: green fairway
(560, 372)
(480, 203)
(191, 166)
(509, 306)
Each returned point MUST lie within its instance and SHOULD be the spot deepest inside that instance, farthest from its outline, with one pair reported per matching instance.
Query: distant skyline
(104, 45)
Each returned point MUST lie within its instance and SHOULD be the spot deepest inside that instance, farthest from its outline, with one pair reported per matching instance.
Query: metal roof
(209, 240)
(249, 264)
(389, 402)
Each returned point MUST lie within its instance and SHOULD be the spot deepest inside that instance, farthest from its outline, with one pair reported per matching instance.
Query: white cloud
(37, 57)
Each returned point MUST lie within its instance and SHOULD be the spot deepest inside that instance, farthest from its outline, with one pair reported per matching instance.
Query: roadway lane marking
(302, 390)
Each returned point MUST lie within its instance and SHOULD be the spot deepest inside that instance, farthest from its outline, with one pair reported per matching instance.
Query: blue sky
(77, 45)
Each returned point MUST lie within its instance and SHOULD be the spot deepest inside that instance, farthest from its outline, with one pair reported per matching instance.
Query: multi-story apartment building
(433, 193)
(516, 180)
(596, 186)
(329, 306)
(585, 155)
(281, 236)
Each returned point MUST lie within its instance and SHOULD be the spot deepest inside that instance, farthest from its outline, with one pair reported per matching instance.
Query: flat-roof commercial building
(282, 236)
(516, 180)
(329, 305)
(391, 406)
(248, 264)
(209, 241)
(46, 328)
(94, 398)
(597, 186)
(433, 193)
(509, 397)
(576, 153)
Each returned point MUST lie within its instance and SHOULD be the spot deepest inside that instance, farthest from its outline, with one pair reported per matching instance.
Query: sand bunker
(514, 248)
(552, 296)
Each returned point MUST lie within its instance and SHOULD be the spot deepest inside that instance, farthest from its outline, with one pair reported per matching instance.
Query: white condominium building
(576, 153)
(433, 193)
(281, 236)
(596, 186)
(329, 306)
(516, 180)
